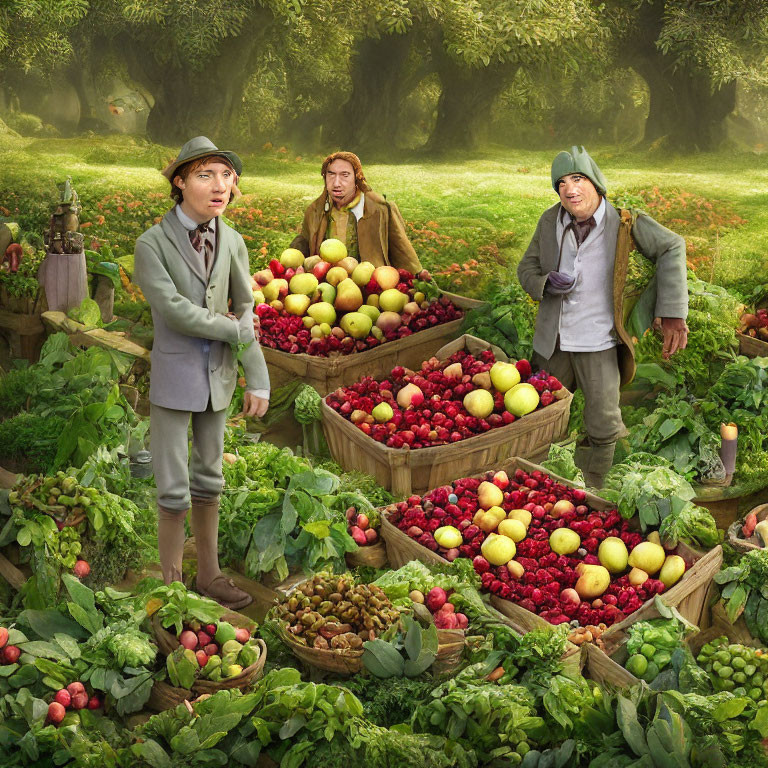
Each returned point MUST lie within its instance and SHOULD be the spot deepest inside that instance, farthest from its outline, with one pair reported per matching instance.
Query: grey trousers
(597, 375)
(176, 482)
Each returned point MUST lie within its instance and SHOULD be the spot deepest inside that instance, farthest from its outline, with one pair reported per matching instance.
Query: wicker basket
(342, 661)
(752, 347)
(404, 471)
(372, 556)
(165, 696)
(688, 595)
(450, 648)
(167, 644)
(737, 541)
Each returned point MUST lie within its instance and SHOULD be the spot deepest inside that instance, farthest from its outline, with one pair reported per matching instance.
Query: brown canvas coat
(381, 237)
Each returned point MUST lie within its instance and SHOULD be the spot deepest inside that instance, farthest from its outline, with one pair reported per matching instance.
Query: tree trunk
(370, 119)
(466, 99)
(683, 107)
(188, 102)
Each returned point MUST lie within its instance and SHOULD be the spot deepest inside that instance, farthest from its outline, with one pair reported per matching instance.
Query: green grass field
(482, 207)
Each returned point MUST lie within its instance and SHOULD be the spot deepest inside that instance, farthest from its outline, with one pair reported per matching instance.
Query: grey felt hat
(198, 147)
(577, 161)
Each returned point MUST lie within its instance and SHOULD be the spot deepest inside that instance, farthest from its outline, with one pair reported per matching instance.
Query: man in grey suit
(576, 267)
(193, 269)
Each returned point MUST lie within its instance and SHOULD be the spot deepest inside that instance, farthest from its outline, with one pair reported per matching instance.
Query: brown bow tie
(581, 229)
(202, 242)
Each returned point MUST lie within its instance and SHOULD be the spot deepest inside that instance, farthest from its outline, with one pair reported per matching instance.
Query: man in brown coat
(349, 210)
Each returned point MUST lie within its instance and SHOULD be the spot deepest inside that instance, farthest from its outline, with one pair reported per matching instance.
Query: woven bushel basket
(373, 556)
(343, 661)
(450, 646)
(737, 540)
(167, 643)
(165, 696)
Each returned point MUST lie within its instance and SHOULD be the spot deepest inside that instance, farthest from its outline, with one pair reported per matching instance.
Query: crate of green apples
(325, 318)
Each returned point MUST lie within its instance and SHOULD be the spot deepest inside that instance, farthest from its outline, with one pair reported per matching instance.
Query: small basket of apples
(363, 527)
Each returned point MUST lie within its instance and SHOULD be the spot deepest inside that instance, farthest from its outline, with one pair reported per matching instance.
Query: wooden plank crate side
(327, 374)
(405, 472)
(689, 594)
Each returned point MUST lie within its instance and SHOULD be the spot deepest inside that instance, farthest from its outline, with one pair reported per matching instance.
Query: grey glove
(559, 283)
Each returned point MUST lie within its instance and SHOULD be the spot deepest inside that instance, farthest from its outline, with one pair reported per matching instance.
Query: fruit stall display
(753, 333)
(416, 429)
(327, 317)
(546, 550)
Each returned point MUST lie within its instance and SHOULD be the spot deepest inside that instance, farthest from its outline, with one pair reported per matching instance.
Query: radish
(202, 658)
(462, 620)
(63, 697)
(210, 629)
(56, 712)
(371, 535)
(3, 637)
(436, 599)
(11, 654)
(94, 702)
(80, 700)
(242, 635)
(203, 638)
(211, 649)
(75, 688)
(81, 569)
(362, 521)
(188, 639)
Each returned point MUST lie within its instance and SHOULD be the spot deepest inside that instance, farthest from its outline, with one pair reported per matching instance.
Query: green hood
(577, 161)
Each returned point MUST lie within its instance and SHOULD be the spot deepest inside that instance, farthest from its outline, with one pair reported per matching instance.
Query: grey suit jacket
(665, 296)
(193, 359)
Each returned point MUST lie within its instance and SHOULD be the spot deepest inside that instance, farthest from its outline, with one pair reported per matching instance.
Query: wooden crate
(328, 373)
(689, 595)
(601, 668)
(752, 347)
(405, 471)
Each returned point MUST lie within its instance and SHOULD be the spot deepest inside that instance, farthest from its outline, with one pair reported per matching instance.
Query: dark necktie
(581, 229)
(201, 239)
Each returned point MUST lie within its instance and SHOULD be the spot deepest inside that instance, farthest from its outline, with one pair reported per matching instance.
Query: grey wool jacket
(194, 350)
(665, 296)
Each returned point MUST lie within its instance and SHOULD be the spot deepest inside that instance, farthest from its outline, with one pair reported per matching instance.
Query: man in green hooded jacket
(576, 267)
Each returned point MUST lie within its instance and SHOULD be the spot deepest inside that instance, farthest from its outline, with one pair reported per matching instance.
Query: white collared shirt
(358, 209)
(586, 317)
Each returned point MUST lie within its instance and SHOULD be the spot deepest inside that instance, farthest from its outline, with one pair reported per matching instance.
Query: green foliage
(493, 720)
(645, 485)
(712, 320)
(507, 320)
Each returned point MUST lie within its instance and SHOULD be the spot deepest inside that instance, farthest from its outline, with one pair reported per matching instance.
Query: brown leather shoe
(223, 590)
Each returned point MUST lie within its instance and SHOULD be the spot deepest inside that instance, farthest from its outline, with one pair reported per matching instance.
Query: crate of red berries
(325, 318)
(548, 552)
(460, 414)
